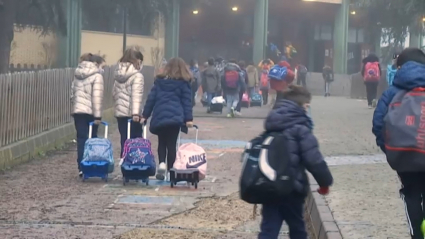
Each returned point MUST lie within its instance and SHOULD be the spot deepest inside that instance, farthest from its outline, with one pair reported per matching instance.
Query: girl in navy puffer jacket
(170, 102)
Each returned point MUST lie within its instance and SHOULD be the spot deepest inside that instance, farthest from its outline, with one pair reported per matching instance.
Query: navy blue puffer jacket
(292, 119)
(170, 102)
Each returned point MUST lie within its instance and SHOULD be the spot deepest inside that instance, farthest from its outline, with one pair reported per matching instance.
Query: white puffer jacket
(128, 90)
(87, 90)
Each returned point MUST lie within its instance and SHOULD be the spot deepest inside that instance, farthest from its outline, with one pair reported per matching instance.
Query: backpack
(191, 156)
(302, 71)
(405, 131)
(371, 71)
(232, 79)
(278, 73)
(264, 80)
(266, 172)
(138, 152)
(99, 150)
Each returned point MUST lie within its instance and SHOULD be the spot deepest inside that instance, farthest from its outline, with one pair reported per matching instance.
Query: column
(340, 38)
(172, 31)
(311, 52)
(260, 29)
(414, 39)
(71, 42)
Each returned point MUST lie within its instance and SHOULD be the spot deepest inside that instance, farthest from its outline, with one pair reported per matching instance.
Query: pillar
(414, 39)
(71, 42)
(172, 31)
(311, 51)
(261, 15)
(340, 38)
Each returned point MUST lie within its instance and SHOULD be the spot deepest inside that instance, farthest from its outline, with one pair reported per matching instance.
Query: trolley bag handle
(129, 128)
(91, 128)
(196, 137)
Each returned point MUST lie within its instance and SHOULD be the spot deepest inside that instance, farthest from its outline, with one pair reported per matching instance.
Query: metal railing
(33, 102)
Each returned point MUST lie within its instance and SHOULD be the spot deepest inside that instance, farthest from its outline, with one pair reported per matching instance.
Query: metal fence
(33, 102)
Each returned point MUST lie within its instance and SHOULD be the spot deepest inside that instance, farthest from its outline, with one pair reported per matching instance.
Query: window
(323, 32)
(352, 35)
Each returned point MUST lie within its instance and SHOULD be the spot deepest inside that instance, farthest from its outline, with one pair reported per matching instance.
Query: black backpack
(302, 71)
(266, 171)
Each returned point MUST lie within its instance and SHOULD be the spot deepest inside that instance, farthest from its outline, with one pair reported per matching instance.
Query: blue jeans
(210, 96)
(289, 210)
(232, 101)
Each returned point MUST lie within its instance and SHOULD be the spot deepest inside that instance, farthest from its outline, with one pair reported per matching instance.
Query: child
(281, 85)
(328, 77)
(290, 116)
(170, 102)
(232, 82)
(410, 75)
(128, 94)
(371, 72)
(86, 97)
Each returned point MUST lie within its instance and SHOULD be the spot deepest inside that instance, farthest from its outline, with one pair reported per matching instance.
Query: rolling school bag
(98, 160)
(138, 159)
(191, 163)
(246, 101)
(257, 99)
(405, 131)
(217, 104)
(266, 172)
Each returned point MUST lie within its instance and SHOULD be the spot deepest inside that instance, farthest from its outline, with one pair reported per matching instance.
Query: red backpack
(264, 80)
(371, 72)
(232, 79)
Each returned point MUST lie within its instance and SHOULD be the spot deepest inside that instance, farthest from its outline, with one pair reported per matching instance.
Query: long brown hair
(132, 55)
(176, 69)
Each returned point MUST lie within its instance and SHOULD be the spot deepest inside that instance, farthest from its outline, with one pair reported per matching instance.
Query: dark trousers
(81, 122)
(239, 106)
(413, 195)
(265, 94)
(302, 81)
(167, 145)
(290, 210)
(371, 91)
(136, 130)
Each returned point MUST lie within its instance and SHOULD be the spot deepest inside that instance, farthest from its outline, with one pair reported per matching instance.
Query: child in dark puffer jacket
(290, 116)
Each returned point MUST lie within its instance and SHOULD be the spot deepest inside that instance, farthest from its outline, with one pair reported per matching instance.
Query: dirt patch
(218, 213)
(169, 234)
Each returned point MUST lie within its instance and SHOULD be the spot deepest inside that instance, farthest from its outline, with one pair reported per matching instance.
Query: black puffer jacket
(292, 119)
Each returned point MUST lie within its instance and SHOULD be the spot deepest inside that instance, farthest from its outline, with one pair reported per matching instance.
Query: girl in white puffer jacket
(86, 97)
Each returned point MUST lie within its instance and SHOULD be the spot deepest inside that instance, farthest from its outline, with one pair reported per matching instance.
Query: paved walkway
(46, 199)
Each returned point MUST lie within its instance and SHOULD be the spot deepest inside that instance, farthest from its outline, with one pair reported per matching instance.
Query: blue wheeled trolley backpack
(98, 160)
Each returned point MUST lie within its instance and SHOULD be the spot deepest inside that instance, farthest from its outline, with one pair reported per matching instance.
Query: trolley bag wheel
(172, 184)
(147, 182)
(196, 185)
(105, 178)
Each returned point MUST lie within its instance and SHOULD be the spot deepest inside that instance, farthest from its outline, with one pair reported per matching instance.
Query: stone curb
(322, 221)
(35, 146)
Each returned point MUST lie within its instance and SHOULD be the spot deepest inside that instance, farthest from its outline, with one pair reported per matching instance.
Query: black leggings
(371, 91)
(265, 94)
(167, 145)
(82, 122)
(136, 130)
(239, 106)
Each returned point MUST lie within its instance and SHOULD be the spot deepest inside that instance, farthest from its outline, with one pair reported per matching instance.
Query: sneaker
(232, 112)
(160, 173)
(370, 107)
(237, 113)
(374, 103)
(229, 116)
(80, 174)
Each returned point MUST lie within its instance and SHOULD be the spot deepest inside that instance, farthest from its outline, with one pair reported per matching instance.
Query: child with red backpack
(233, 82)
(371, 72)
(280, 85)
(398, 127)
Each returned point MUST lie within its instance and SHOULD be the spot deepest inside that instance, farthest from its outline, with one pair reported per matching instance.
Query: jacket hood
(86, 69)
(166, 84)
(286, 114)
(232, 66)
(284, 64)
(410, 75)
(124, 71)
(250, 68)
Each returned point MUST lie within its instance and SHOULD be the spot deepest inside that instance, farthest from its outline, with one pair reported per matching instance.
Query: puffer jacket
(169, 103)
(211, 81)
(411, 75)
(241, 83)
(253, 77)
(292, 120)
(282, 85)
(87, 90)
(128, 90)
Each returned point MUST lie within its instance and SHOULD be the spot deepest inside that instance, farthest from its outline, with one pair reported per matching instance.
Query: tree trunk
(7, 19)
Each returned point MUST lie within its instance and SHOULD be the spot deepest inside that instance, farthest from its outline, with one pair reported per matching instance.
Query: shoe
(160, 173)
(423, 227)
(374, 103)
(80, 174)
(370, 107)
(237, 113)
(229, 116)
(232, 112)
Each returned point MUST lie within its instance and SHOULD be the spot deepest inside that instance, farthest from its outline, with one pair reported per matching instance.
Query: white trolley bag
(191, 163)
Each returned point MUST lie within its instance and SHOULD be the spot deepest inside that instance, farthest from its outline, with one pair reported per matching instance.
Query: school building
(329, 32)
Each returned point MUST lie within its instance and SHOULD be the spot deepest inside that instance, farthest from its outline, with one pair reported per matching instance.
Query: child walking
(86, 98)
(290, 115)
(170, 104)
(232, 82)
(405, 154)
